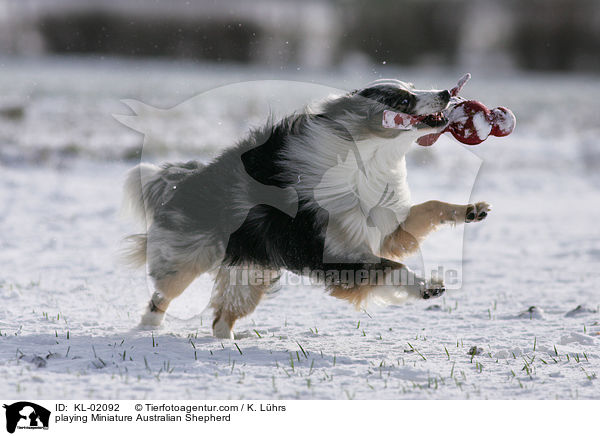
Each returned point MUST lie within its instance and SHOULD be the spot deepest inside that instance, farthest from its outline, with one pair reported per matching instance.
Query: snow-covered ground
(69, 311)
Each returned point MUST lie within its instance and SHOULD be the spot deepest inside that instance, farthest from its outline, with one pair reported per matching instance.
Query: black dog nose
(445, 95)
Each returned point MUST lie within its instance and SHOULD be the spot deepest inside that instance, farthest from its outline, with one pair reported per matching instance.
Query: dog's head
(361, 111)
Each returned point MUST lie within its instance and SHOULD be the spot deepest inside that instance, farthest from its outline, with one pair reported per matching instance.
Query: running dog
(322, 193)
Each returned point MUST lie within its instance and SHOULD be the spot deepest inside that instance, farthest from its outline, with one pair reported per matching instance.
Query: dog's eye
(405, 103)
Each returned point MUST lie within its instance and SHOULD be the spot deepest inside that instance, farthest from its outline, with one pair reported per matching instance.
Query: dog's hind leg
(236, 293)
(167, 286)
(174, 261)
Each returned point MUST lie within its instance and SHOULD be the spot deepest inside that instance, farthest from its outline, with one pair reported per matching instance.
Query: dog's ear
(375, 111)
(369, 93)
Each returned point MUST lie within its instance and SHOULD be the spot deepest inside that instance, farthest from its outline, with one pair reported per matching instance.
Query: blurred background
(64, 64)
(556, 35)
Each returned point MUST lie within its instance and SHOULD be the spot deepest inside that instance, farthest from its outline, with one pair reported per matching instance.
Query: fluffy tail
(146, 188)
(143, 191)
(133, 254)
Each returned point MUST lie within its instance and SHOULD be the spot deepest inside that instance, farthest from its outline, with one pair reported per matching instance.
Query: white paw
(152, 319)
(222, 330)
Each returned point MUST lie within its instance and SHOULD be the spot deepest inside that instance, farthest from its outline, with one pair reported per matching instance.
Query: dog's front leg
(425, 218)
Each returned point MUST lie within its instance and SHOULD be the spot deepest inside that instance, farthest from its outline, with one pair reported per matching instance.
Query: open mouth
(402, 121)
(437, 119)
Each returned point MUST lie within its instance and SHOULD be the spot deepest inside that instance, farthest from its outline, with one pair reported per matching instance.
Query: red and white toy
(469, 121)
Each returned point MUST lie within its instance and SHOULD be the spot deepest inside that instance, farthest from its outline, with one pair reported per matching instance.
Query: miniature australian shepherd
(322, 193)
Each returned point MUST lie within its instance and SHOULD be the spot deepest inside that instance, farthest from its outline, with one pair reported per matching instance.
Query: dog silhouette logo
(25, 415)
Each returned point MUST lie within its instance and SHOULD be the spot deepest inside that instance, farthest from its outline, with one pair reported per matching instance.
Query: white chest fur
(362, 185)
(366, 195)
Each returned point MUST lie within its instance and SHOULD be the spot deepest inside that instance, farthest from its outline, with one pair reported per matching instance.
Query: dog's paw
(222, 330)
(477, 212)
(151, 320)
(433, 289)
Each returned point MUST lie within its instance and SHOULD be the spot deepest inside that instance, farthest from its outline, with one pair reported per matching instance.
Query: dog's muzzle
(402, 121)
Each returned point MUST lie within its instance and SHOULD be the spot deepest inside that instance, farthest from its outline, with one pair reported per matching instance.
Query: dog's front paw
(477, 212)
(433, 289)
